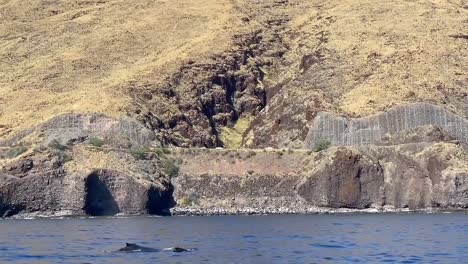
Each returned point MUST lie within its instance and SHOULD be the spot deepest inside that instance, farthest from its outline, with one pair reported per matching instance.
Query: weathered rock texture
(377, 128)
(191, 107)
(107, 182)
(415, 176)
(45, 184)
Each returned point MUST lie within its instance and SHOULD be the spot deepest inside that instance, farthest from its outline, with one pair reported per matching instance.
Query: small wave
(327, 246)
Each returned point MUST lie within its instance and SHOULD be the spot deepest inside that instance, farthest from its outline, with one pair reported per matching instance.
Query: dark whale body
(129, 247)
(178, 249)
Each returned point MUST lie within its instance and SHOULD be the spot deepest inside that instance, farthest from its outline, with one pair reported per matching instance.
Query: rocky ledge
(49, 184)
(422, 176)
(94, 181)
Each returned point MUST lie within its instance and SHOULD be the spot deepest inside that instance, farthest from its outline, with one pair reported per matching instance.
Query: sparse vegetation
(232, 137)
(322, 145)
(96, 142)
(251, 154)
(166, 151)
(138, 153)
(16, 151)
(56, 144)
(60, 150)
(169, 167)
(185, 201)
(63, 156)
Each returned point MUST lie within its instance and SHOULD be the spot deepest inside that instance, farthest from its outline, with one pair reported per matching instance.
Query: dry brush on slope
(190, 69)
(357, 58)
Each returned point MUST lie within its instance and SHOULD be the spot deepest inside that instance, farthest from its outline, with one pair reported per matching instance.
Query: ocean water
(340, 238)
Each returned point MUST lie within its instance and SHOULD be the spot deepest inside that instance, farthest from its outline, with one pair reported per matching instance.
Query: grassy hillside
(83, 56)
(360, 57)
(191, 69)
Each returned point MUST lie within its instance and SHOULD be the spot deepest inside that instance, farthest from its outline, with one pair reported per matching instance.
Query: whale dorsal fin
(129, 244)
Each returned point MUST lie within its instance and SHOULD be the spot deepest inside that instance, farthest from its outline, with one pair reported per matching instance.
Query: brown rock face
(414, 176)
(349, 180)
(407, 184)
(108, 193)
(48, 188)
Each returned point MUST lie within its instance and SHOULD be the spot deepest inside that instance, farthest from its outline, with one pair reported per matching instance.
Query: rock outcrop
(45, 184)
(418, 176)
(97, 182)
(349, 179)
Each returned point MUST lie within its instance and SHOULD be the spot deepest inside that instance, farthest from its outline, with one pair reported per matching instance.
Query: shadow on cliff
(159, 202)
(7, 210)
(99, 200)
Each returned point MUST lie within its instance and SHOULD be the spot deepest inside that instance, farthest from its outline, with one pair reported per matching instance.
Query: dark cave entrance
(99, 200)
(159, 202)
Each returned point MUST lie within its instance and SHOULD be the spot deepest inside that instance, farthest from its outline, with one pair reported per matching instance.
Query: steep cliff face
(90, 91)
(47, 184)
(191, 71)
(93, 181)
(414, 176)
(345, 179)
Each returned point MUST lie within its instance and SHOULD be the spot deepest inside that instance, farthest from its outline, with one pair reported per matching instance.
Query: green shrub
(166, 151)
(96, 142)
(56, 144)
(16, 151)
(322, 145)
(138, 153)
(63, 156)
(169, 167)
(251, 154)
(185, 201)
(280, 154)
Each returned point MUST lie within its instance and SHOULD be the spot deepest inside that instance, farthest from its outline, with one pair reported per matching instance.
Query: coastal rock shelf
(95, 185)
(208, 181)
(373, 129)
(418, 176)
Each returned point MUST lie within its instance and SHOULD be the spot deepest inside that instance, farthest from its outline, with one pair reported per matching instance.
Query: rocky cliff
(414, 176)
(96, 182)
(48, 183)
(97, 98)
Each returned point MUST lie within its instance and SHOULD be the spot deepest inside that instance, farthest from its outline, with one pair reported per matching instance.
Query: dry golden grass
(82, 56)
(388, 52)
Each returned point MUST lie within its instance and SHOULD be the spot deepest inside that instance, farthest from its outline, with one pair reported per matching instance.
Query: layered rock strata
(46, 184)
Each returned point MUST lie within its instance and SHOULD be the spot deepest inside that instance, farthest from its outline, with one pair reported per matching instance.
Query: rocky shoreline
(303, 211)
(190, 211)
(82, 180)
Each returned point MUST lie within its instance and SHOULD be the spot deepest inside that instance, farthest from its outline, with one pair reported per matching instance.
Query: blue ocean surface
(335, 238)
